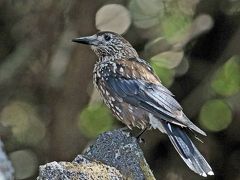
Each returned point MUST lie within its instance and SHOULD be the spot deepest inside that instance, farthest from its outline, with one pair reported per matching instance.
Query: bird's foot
(141, 140)
(126, 129)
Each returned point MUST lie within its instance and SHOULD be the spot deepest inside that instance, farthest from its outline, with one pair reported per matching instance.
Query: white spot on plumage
(114, 67)
(211, 173)
(101, 88)
(169, 126)
(134, 76)
(130, 108)
(133, 117)
(204, 174)
(120, 100)
(98, 74)
(121, 70)
(156, 123)
(118, 109)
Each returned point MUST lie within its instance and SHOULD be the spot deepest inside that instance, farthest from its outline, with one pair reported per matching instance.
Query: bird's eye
(107, 37)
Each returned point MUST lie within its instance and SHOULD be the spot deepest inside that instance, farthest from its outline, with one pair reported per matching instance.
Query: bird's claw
(141, 140)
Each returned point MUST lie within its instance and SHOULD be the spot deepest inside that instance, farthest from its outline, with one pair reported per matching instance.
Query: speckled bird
(136, 96)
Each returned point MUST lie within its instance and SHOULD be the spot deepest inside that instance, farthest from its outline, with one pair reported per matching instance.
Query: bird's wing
(153, 98)
(137, 85)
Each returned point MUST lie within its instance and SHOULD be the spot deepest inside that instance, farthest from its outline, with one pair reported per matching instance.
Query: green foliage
(227, 79)
(175, 25)
(215, 115)
(166, 75)
(168, 59)
(94, 120)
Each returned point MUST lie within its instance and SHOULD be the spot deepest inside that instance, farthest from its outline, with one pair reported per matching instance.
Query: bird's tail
(187, 150)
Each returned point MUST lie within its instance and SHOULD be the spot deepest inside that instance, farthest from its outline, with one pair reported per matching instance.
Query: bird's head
(108, 44)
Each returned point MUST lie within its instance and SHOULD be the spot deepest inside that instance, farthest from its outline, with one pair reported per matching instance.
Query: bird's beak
(89, 40)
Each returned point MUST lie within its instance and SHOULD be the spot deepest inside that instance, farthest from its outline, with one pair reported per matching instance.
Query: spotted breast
(104, 72)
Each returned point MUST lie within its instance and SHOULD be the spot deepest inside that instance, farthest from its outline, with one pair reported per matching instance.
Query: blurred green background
(49, 109)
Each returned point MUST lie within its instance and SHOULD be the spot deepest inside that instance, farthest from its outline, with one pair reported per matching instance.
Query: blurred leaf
(168, 59)
(165, 75)
(146, 13)
(215, 115)
(26, 126)
(94, 120)
(156, 46)
(182, 68)
(174, 25)
(200, 24)
(227, 80)
(113, 17)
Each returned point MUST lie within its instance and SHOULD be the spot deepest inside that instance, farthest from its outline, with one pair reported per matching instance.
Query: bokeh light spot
(25, 163)
(22, 118)
(94, 120)
(113, 17)
(168, 59)
(215, 115)
(227, 81)
(146, 13)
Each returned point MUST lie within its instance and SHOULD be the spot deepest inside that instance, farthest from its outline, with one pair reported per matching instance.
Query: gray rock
(84, 170)
(115, 155)
(6, 168)
(122, 151)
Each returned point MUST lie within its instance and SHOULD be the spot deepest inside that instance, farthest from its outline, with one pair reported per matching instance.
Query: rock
(84, 170)
(115, 155)
(118, 149)
(6, 169)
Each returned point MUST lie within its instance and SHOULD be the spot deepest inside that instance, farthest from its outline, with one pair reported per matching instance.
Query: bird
(136, 96)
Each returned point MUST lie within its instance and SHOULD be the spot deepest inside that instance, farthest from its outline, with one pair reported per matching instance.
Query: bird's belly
(134, 116)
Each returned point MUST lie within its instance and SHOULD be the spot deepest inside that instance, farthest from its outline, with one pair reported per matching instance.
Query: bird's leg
(141, 133)
(141, 140)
